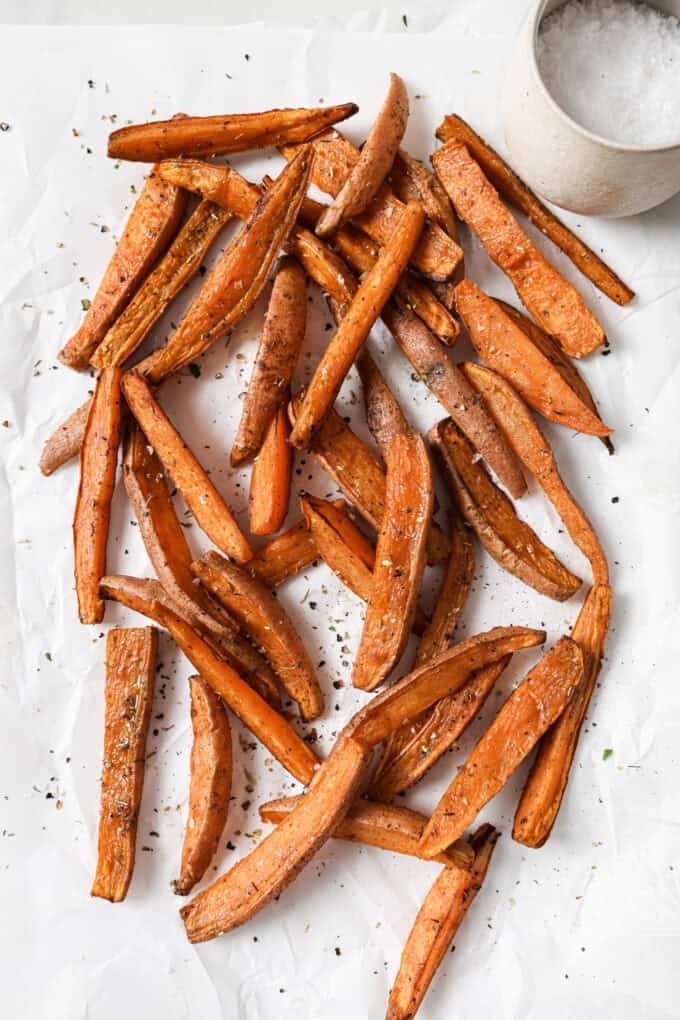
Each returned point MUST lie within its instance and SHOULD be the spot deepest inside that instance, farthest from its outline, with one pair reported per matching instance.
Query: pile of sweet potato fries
(385, 246)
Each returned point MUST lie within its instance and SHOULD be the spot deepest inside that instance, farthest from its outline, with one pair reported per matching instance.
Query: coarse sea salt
(614, 67)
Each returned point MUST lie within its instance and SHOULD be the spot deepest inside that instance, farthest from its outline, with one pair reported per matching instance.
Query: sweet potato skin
(220, 135)
(270, 478)
(130, 668)
(523, 719)
(151, 226)
(210, 785)
(384, 416)
(98, 458)
(399, 562)
(66, 440)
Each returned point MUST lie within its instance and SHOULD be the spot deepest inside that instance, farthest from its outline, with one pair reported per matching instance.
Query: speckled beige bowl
(563, 161)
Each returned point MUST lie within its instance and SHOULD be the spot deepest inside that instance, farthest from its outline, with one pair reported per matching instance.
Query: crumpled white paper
(585, 928)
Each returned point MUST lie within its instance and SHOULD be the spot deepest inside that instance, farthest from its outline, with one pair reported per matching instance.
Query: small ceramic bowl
(566, 163)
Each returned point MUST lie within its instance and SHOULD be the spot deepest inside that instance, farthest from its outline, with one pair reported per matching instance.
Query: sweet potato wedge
(98, 459)
(284, 556)
(65, 442)
(411, 180)
(524, 718)
(218, 136)
(149, 230)
(355, 325)
(210, 786)
(436, 923)
(207, 506)
(180, 263)
(399, 562)
(385, 826)
(542, 795)
(264, 619)
(275, 862)
(356, 472)
(254, 712)
(531, 446)
(549, 297)
(270, 478)
(236, 281)
(452, 595)
(445, 380)
(280, 342)
(384, 416)
(375, 160)
(510, 541)
(509, 350)
(515, 191)
(436, 256)
(130, 669)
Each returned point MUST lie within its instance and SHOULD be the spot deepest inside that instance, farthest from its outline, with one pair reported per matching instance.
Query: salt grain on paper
(613, 67)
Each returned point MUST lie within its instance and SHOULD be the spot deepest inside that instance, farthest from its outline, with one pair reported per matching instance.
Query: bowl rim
(534, 23)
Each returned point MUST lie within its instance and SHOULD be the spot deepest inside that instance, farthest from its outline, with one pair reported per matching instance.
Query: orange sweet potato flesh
(180, 263)
(410, 179)
(529, 443)
(130, 669)
(98, 458)
(445, 380)
(436, 923)
(210, 785)
(375, 160)
(356, 472)
(510, 541)
(524, 718)
(386, 826)
(355, 325)
(549, 297)
(220, 135)
(280, 342)
(66, 440)
(284, 556)
(399, 562)
(384, 416)
(542, 795)
(233, 286)
(436, 256)
(210, 511)
(151, 226)
(508, 349)
(254, 712)
(275, 862)
(262, 616)
(512, 188)
(270, 478)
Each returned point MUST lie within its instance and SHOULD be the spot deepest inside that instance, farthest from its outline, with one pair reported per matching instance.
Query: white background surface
(585, 928)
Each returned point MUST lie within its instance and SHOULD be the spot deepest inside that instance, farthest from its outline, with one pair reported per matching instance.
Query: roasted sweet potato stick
(130, 669)
(210, 786)
(280, 342)
(452, 594)
(524, 718)
(259, 717)
(210, 511)
(98, 458)
(385, 826)
(218, 136)
(445, 380)
(399, 562)
(66, 440)
(375, 160)
(179, 264)
(384, 416)
(512, 188)
(270, 478)
(355, 325)
(436, 256)
(264, 619)
(510, 541)
(436, 923)
(275, 862)
(542, 796)
(237, 279)
(151, 226)
(549, 297)
(284, 556)
(509, 350)
(356, 472)
(529, 443)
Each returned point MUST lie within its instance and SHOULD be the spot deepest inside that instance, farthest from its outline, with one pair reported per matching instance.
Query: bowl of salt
(591, 104)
